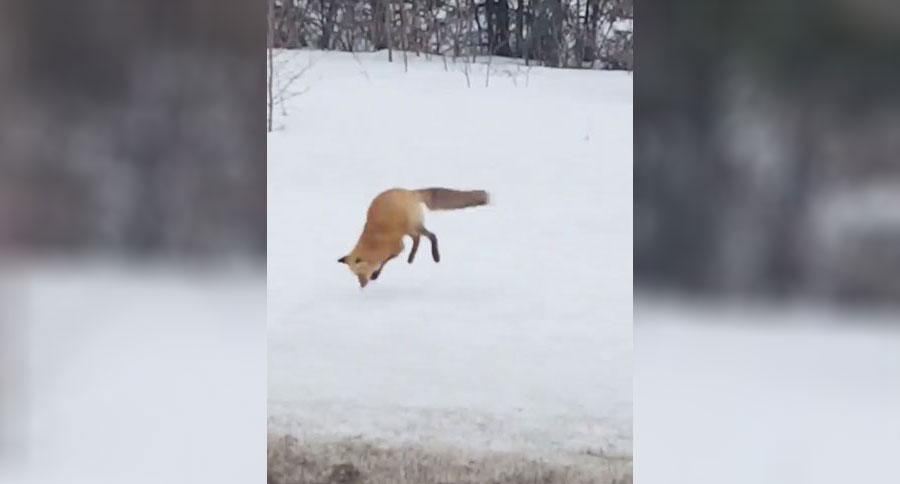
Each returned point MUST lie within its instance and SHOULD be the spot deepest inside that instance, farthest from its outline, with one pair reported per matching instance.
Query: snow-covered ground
(744, 394)
(520, 339)
(132, 373)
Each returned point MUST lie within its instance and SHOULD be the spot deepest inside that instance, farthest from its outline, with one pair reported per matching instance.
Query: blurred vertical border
(132, 239)
(767, 241)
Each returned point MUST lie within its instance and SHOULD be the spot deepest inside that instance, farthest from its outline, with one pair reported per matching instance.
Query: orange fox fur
(396, 213)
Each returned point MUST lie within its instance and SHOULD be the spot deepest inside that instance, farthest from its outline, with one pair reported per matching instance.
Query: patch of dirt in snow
(353, 461)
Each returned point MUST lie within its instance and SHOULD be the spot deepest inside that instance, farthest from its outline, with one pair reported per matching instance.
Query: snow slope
(520, 339)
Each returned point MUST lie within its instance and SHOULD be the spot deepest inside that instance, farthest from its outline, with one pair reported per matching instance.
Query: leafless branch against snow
(282, 77)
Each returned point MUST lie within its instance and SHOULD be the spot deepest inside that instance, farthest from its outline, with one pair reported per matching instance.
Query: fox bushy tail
(447, 199)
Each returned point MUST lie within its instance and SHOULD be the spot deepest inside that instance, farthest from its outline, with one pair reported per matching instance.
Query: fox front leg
(378, 271)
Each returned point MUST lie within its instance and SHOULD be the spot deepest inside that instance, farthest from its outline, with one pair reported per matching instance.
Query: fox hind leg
(434, 243)
(415, 247)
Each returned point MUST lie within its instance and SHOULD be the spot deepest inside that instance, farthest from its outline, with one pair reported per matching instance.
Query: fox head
(361, 268)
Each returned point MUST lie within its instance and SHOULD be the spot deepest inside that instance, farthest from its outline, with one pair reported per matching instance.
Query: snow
(858, 209)
(134, 373)
(744, 394)
(624, 25)
(520, 339)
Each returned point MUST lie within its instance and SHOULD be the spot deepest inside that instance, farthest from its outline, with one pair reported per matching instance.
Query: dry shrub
(352, 461)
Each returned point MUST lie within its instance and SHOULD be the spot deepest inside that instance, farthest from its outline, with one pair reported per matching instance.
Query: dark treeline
(132, 127)
(766, 149)
(557, 33)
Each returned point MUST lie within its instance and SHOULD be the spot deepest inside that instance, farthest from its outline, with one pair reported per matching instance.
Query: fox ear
(342, 259)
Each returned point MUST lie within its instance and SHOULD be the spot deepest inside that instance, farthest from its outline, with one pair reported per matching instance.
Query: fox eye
(358, 259)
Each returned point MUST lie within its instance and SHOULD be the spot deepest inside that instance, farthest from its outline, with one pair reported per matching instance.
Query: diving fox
(396, 213)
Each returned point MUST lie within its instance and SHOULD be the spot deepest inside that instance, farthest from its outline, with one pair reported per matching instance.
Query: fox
(395, 214)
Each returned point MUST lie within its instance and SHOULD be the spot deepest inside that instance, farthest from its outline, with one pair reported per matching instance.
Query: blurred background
(132, 240)
(766, 153)
(767, 241)
(125, 129)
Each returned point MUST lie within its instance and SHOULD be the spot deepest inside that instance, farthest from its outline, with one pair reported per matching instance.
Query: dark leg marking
(415, 247)
(434, 244)
(378, 271)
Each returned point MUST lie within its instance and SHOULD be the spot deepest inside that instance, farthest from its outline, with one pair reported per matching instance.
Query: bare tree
(388, 22)
(465, 68)
(559, 33)
(270, 81)
(404, 34)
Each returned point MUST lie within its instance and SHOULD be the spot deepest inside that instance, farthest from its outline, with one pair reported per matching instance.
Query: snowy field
(778, 395)
(520, 339)
(131, 373)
